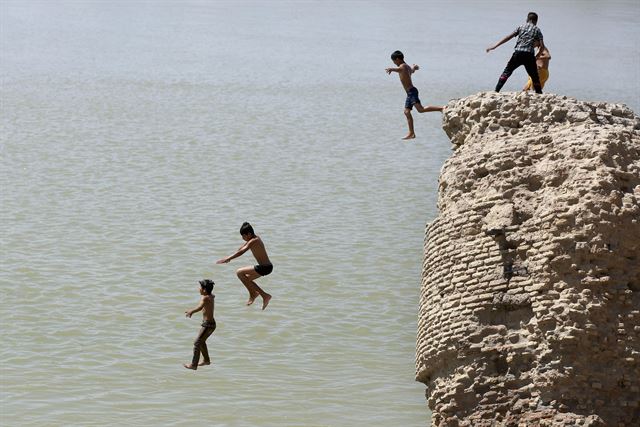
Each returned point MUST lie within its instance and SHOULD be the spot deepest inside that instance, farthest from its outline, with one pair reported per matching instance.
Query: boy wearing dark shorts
(248, 275)
(523, 54)
(207, 327)
(405, 71)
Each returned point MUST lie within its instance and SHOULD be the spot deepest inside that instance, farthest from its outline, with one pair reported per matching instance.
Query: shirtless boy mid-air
(405, 71)
(248, 275)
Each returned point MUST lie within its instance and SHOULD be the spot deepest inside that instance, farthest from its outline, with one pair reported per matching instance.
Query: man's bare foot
(190, 366)
(203, 363)
(251, 299)
(410, 136)
(265, 300)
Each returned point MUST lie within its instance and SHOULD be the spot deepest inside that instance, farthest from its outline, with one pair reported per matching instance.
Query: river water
(138, 136)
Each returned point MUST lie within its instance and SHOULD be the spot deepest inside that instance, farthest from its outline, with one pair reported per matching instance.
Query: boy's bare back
(258, 250)
(405, 76)
(207, 307)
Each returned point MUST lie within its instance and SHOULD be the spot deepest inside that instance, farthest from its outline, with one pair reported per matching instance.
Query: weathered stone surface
(530, 299)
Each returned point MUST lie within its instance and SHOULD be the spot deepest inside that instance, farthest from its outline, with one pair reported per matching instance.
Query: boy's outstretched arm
(200, 306)
(392, 70)
(503, 41)
(244, 248)
(414, 68)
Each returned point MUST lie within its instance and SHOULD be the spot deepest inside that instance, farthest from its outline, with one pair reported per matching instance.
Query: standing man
(528, 34)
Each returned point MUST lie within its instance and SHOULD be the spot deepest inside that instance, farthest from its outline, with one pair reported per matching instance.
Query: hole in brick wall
(501, 365)
(520, 364)
(534, 183)
(556, 180)
(507, 270)
(511, 244)
(512, 318)
(481, 172)
(572, 404)
(547, 324)
(546, 139)
(520, 316)
(512, 268)
(481, 388)
(521, 255)
(625, 185)
(522, 216)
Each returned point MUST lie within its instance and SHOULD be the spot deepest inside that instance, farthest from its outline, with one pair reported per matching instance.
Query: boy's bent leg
(203, 347)
(427, 109)
(196, 350)
(247, 275)
(412, 134)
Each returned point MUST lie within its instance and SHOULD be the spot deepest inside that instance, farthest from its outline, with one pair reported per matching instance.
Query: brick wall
(530, 298)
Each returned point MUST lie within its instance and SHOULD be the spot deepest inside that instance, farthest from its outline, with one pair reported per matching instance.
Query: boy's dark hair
(532, 17)
(397, 55)
(207, 285)
(247, 229)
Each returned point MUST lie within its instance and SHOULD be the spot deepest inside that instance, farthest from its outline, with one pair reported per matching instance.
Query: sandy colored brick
(539, 203)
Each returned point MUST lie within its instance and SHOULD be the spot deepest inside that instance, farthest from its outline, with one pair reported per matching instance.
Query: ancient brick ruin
(530, 300)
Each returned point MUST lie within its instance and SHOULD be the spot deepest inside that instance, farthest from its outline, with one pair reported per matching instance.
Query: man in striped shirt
(527, 33)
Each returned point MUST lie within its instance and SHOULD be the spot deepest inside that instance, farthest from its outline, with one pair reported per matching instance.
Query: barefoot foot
(251, 299)
(265, 301)
(190, 366)
(410, 136)
(203, 363)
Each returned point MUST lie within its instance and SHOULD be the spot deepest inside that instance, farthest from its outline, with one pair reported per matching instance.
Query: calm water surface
(136, 138)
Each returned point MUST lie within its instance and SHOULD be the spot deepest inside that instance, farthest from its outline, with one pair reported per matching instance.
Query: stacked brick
(530, 299)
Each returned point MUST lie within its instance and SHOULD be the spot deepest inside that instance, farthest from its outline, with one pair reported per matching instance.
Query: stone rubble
(530, 299)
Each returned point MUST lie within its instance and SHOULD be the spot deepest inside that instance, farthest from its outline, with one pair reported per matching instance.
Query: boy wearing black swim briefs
(248, 275)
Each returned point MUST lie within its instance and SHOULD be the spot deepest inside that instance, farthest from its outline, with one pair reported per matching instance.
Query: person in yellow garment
(542, 62)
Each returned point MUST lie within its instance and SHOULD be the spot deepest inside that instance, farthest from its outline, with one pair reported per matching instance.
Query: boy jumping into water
(208, 325)
(405, 71)
(542, 62)
(527, 34)
(247, 275)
